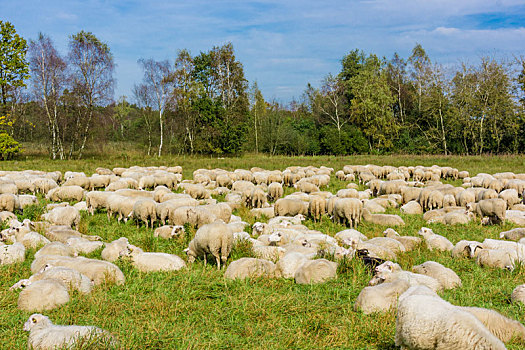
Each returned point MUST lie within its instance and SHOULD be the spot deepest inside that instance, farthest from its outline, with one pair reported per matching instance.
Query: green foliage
(13, 65)
(8, 146)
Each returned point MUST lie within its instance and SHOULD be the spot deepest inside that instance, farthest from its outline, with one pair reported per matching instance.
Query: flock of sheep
(282, 247)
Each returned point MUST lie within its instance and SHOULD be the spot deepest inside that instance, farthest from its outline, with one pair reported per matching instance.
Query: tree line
(203, 104)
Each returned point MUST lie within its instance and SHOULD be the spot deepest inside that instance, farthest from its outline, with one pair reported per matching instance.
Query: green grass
(196, 308)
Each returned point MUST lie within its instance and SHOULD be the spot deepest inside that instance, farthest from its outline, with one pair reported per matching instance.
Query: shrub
(8, 146)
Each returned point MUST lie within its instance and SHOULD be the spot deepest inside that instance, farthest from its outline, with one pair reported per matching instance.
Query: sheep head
(425, 232)
(20, 284)
(390, 232)
(37, 320)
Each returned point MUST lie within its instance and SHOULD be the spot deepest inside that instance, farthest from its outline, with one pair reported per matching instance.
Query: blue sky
(282, 44)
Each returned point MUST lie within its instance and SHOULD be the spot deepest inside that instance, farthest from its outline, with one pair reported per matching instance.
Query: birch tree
(48, 77)
(158, 80)
(92, 68)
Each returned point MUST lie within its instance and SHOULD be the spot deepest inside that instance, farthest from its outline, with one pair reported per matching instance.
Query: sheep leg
(218, 259)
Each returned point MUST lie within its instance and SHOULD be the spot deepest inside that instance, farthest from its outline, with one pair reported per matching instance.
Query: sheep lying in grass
(71, 278)
(215, 239)
(435, 241)
(45, 294)
(56, 248)
(381, 297)
(502, 327)
(445, 276)
(316, 271)
(382, 219)
(463, 248)
(288, 265)
(169, 231)
(68, 216)
(429, 322)
(44, 335)
(250, 268)
(153, 262)
(84, 246)
(514, 235)
(518, 294)
(409, 242)
(99, 271)
(12, 253)
(63, 233)
(389, 272)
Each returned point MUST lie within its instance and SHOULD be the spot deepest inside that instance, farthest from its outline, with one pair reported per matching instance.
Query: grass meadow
(196, 308)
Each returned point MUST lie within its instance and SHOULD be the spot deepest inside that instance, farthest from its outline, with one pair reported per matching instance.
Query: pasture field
(196, 308)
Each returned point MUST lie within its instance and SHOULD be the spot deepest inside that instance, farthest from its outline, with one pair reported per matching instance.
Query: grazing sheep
(445, 276)
(169, 231)
(499, 258)
(215, 239)
(493, 208)
(8, 202)
(45, 294)
(275, 191)
(435, 200)
(68, 216)
(153, 262)
(97, 200)
(348, 211)
(465, 197)
(429, 322)
(44, 335)
(290, 207)
(66, 193)
(389, 272)
(510, 196)
(449, 201)
(306, 186)
(197, 191)
(316, 271)
(145, 210)
(502, 327)
(257, 198)
(383, 219)
(12, 253)
(250, 268)
(317, 207)
(381, 297)
(435, 241)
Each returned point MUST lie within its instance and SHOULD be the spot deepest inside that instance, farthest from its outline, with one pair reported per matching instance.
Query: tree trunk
(161, 132)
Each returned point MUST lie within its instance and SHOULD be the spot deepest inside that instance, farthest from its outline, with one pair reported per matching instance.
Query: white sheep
(463, 248)
(55, 248)
(429, 322)
(502, 327)
(435, 241)
(112, 251)
(518, 294)
(215, 239)
(514, 235)
(145, 210)
(169, 231)
(316, 271)
(499, 258)
(45, 294)
(381, 297)
(383, 219)
(409, 242)
(153, 262)
(288, 265)
(69, 277)
(44, 335)
(250, 268)
(68, 216)
(83, 246)
(12, 253)
(389, 272)
(99, 271)
(445, 276)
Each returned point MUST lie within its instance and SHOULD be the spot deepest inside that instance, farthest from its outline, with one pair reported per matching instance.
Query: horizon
(281, 46)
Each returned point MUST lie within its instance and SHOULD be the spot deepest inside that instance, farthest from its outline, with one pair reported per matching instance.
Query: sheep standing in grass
(290, 207)
(68, 216)
(429, 322)
(348, 210)
(275, 191)
(493, 208)
(44, 335)
(215, 239)
(145, 210)
(317, 207)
